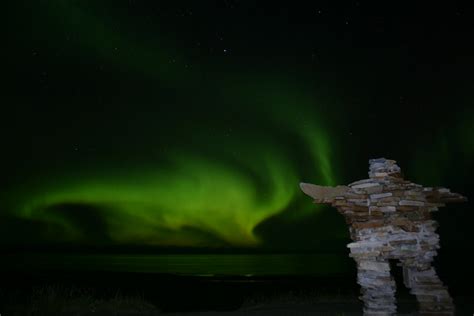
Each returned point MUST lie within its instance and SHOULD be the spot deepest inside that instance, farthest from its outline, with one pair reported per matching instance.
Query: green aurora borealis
(155, 203)
(143, 138)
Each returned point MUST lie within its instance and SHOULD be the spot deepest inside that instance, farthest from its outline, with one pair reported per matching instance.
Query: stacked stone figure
(390, 218)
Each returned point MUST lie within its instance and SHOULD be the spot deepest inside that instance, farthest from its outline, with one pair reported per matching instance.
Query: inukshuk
(390, 218)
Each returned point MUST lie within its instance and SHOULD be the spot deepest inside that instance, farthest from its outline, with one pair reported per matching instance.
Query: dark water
(192, 264)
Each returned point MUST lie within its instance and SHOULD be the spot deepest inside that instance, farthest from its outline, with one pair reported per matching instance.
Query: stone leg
(433, 298)
(377, 286)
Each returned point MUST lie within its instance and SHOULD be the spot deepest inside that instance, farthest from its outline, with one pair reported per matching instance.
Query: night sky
(190, 123)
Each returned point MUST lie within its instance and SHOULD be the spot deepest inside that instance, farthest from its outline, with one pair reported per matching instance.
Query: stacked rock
(383, 167)
(390, 218)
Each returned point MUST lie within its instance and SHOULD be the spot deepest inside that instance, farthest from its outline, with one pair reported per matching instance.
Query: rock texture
(390, 218)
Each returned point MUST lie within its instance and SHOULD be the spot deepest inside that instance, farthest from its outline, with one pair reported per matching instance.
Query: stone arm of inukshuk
(327, 195)
(442, 196)
(364, 213)
(322, 194)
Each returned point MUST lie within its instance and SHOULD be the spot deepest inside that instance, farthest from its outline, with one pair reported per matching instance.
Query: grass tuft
(59, 300)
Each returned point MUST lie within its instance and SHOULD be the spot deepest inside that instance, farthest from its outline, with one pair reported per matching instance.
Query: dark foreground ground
(105, 293)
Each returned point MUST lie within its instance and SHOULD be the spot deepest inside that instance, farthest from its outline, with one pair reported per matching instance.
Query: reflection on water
(191, 264)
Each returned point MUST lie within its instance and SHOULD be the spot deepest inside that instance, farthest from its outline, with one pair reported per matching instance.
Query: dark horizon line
(133, 249)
